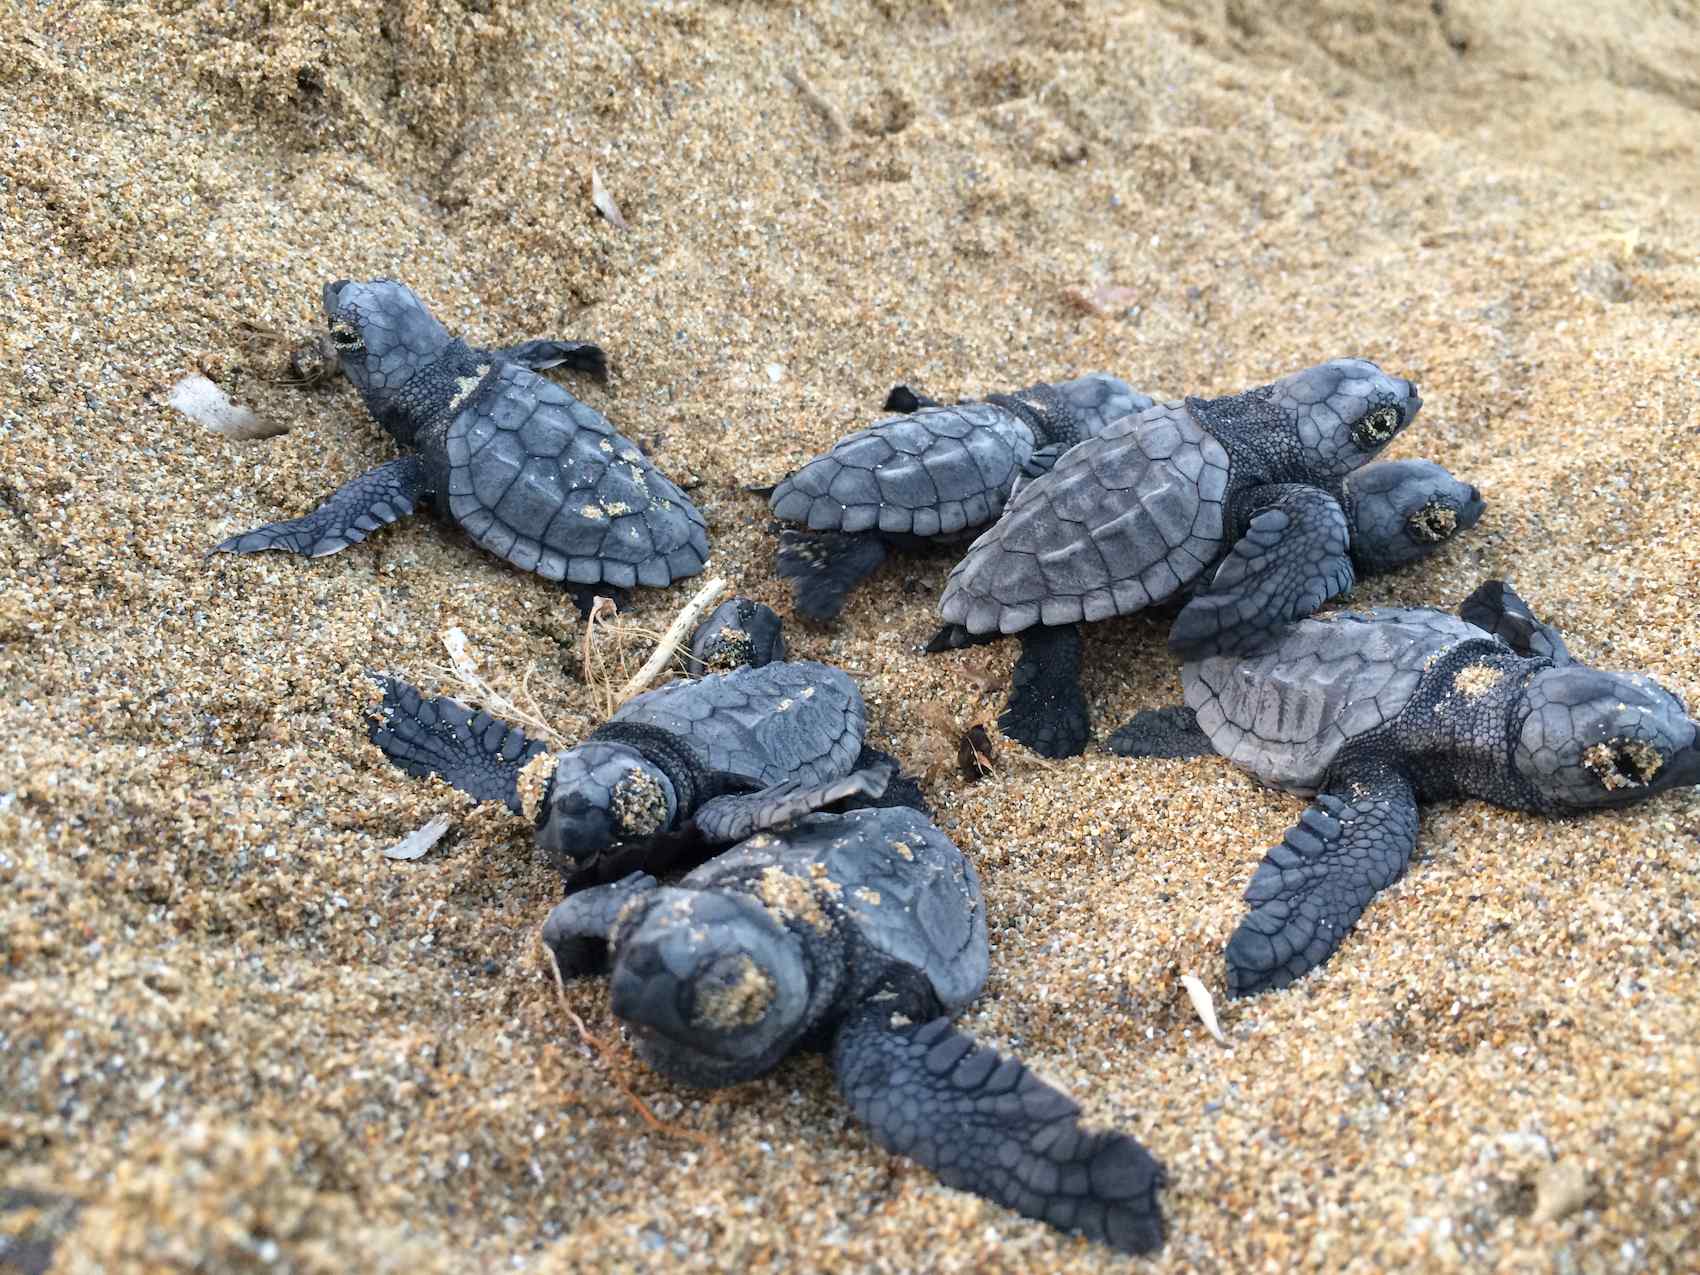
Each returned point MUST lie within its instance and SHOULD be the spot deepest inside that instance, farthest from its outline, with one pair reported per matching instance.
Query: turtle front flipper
(1162, 732)
(986, 1124)
(1496, 608)
(1294, 556)
(475, 752)
(1310, 890)
(1047, 709)
(823, 566)
(578, 931)
(734, 816)
(579, 356)
(356, 509)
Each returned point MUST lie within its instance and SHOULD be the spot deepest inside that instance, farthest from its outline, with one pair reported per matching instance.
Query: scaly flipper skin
(580, 356)
(1162, 732)
(352, 512)
(1047, 709)
(1496, 608)
(735, 816)
(1310, 890)
(475, 752)
(985, 1123)
(1291, 560)
(824, 566)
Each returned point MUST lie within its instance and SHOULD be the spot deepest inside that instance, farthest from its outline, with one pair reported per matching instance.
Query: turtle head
(1344, 412)
(600, 795)
(739, 633)
(384, 336)
(1592, 739)
(713, 987)
(1403, 510)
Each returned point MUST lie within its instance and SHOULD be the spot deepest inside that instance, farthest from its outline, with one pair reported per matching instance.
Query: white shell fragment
(1205, 1006)
(604, 201)
(416, 843)
(206, 404)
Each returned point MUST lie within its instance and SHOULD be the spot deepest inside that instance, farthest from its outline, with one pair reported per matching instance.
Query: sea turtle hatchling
(935, 473)
(1374, 712)
(675, 770)
(862, 935)
(738, 632)
(529, 472)
(1255, 482)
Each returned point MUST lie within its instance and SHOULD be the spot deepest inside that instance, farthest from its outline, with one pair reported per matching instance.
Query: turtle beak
(333, 296)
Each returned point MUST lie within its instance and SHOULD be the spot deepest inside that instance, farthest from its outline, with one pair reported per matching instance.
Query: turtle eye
(345, 337)
(1623, 763)
(1432, 523)
(1377, 427)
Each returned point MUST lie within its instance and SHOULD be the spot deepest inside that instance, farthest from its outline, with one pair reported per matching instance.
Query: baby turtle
(738, 632)
(1138, 515)
(934, 474)
(1377, 711)
(861, 935)
(677, 769)
(529, 472)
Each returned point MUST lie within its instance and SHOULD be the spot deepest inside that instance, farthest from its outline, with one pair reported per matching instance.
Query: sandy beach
(244, 1040)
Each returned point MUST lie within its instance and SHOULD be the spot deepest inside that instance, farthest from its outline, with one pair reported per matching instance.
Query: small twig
(600, 609)
(603, 1055)
(835, 125)
(464, 667)
(682, 625)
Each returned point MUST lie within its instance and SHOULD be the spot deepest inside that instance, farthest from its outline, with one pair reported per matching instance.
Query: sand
(245, 1040)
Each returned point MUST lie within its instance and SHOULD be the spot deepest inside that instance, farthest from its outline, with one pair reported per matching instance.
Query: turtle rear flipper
(353, 511)
(734, 816)
(823, 566)
(986, 1124)
(1162, 732)
(1496, 608)
(901, 789)
(908, 401)
(1311, 889)
(475, 752)
(580, 356)
(1047, 709)
(1293, 557)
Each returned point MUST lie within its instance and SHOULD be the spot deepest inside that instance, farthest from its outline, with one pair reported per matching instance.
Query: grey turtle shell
(938, 471)
(1285, 715)
(543, 480)
(799, 720)
(1052, 560)
(910, 892)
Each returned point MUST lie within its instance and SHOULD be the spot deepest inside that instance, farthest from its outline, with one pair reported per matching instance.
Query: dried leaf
(1205, 1006)
(207, 405)
(416, 843)
(604, 201)
(974, 754)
